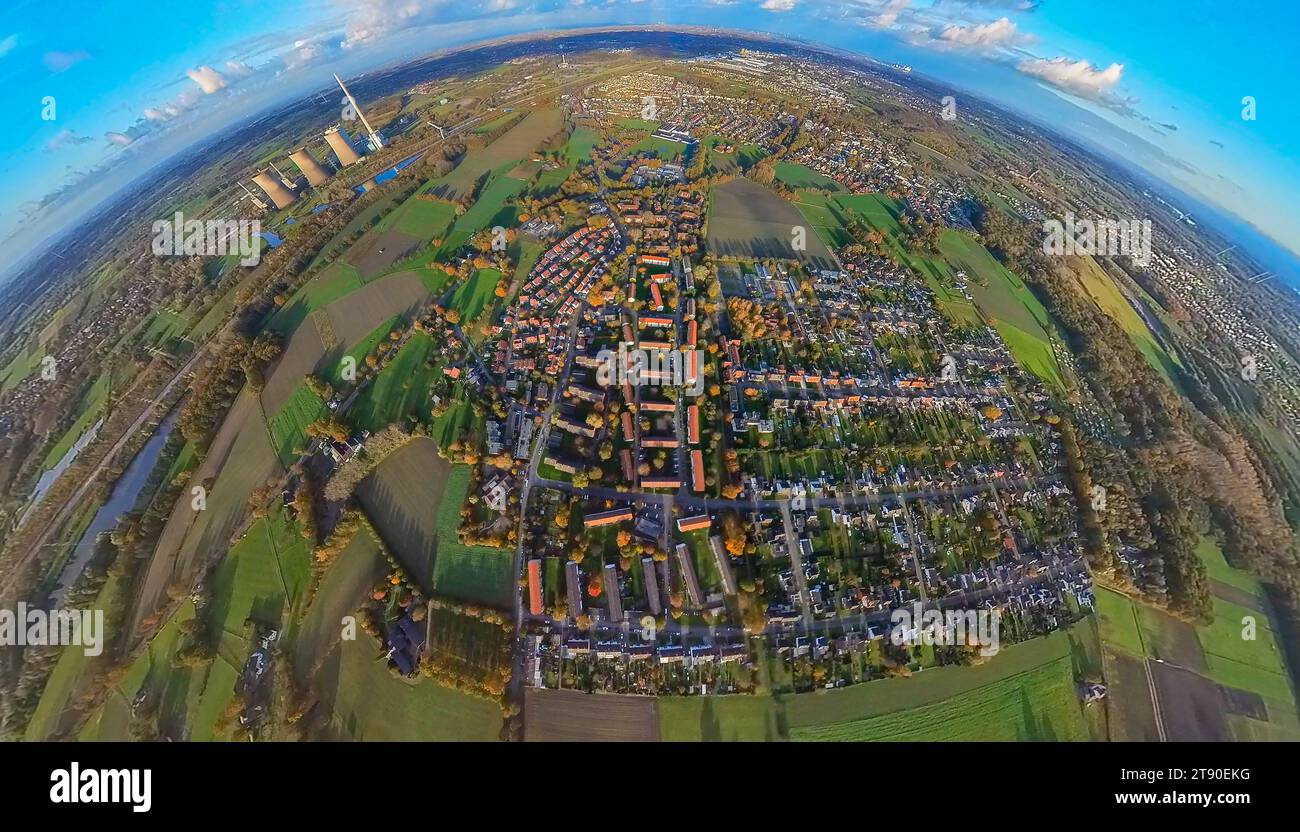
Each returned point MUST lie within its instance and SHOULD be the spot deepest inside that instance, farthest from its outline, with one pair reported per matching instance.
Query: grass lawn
(369, 703)
(401, 388)
(490, 209)
(1253, 664)
(800, 177)
(288, 427)
(717, 718)
(1118, 621)
(469, 573)
(1027, 691)
(475, 294)
(1218, 568)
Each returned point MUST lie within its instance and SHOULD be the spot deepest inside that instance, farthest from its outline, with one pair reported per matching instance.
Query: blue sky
(135, 82)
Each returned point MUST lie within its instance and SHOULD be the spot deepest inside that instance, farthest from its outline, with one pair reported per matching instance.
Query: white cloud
(1078, 77)
(888, 15)
(238, 69)
(778, 5)
(7, 45)
(1000, 32)
(208, 79)
(369, 20)
(64, 136)
(119, 139)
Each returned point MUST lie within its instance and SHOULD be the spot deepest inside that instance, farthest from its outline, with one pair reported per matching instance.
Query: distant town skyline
(130, 85)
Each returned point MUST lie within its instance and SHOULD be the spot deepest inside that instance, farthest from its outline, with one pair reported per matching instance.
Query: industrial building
(316, 175)
(272, 186)
(342, 146)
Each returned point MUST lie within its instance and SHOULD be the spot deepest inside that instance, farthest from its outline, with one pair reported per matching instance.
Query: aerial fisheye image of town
(527, 371)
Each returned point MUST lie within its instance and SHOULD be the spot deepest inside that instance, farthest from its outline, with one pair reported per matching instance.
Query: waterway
(120, 501)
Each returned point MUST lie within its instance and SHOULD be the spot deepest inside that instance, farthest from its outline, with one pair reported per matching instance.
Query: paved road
(854, 499)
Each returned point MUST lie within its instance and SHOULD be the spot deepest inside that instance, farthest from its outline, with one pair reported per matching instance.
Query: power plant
(256, 200)
(316, 175)
(342, 146)
(280, 195)
(376, 143)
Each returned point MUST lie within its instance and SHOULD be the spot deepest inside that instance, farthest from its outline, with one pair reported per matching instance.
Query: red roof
(535, 586)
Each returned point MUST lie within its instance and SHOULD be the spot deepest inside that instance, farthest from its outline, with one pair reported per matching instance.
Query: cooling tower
(316, 175)
(280, 195)
(342, 146)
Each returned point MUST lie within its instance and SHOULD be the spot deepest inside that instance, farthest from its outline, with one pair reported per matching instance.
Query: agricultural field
(427, 219)
(1004, 299)
(333, 370)
(89, 408)
(471, 649)
(572, 716)
(1040, 704)
(749, 221)
(54, 708)
(1111, 299)
(519, 142)
(578, 149)
(399, 498)
(492, 208)
(21, 366)
(742, 158)
(1200, 668)
(265, 571)
(288, 426)
(335, 281)
(164, 326)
